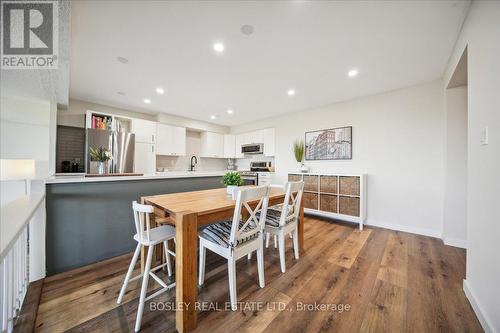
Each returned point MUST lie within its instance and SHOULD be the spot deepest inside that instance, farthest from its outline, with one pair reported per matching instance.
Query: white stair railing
(14, 276)
(16, 243)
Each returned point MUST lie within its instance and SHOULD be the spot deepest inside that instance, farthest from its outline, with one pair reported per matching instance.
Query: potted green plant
(100, 155)
(298, 152)
(232, 180)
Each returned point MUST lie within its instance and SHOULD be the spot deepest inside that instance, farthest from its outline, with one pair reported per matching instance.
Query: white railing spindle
(18, 215)
(14, 279)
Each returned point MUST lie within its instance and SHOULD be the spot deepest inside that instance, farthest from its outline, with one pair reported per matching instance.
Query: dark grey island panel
(91, 221)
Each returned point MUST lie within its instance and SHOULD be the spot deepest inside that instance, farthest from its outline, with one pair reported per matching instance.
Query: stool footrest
(167, 288)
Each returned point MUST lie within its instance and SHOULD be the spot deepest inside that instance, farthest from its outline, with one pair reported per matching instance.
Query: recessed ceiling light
(213, 117)
(160, 91)
(122, 60)
(219, 47)
(147, 101)
(247, 29)
(291, 92)
(352, 72)
(229, 111)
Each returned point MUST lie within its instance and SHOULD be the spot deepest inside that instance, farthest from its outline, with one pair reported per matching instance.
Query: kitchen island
(90, 219)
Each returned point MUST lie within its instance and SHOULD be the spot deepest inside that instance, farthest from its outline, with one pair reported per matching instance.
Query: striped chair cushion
(220, 233)
(274, 214)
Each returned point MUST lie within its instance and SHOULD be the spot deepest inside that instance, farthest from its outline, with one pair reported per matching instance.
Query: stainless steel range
(252, 177)
(249, 177)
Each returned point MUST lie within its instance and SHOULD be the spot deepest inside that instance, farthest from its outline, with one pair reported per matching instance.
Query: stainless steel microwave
(253, 148)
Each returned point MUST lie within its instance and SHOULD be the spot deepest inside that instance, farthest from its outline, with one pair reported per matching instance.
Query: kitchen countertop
(80, 178)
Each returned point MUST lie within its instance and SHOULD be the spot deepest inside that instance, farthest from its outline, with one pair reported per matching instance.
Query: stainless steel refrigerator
(121, 145)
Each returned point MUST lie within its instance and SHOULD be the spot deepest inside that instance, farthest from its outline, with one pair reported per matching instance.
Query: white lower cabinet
(171, 140)
(212, 145)
(145, 158)
(264, 179)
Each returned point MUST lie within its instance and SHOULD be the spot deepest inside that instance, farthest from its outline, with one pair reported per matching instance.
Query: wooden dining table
(187, 211)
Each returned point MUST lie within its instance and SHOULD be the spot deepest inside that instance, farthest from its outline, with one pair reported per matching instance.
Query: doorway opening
(455, 194)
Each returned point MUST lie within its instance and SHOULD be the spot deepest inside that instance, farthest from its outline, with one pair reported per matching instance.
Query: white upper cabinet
(240, 140)
(212, 144)
(229, 146)
(265, 136)
(171, 140)
(255, 137)
(145, 130)
(268, 140)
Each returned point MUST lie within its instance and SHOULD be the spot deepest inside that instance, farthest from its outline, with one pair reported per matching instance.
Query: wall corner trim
(478, 310)
(405, 228)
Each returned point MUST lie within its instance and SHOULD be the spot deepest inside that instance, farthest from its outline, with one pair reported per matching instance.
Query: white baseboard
(405, 228)
(462, 243)
(476, 306)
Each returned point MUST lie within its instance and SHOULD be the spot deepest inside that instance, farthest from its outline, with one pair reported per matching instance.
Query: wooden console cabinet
(338, 196)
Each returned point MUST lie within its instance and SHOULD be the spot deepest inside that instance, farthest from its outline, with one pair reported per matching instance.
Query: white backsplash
(193, 148)
(244, 163)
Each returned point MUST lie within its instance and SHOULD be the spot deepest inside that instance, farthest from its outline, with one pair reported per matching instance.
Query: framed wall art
(329, 144)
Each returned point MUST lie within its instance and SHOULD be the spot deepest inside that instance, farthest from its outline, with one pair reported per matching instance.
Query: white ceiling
(307, 46)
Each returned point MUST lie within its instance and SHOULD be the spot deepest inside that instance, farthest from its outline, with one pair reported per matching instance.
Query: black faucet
(193, 165)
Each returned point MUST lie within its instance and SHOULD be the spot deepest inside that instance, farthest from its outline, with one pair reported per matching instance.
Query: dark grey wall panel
(89, 222)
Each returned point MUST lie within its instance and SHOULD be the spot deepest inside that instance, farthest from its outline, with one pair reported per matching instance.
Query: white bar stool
(148, 237)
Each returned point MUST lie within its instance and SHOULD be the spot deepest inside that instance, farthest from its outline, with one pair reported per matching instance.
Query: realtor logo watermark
(29, 34)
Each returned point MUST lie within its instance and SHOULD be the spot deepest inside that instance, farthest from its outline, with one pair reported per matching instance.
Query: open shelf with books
(107, 121)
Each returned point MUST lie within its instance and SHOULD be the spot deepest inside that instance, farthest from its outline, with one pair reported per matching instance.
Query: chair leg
(144, 288)
(291, 236)
(275, 243)
(281, 245)
(249, 256)
(129, 273)
(268, 236)
(167, 258)
(231, 267)
(260, 267)
(203, 255)
(296, 243)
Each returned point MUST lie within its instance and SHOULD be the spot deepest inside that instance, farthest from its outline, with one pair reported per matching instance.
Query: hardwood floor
(392, 282)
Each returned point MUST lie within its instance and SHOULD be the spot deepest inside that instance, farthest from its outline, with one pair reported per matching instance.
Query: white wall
(481, 35)
(455, 188)
(27, 131)
(193, 147)
(397, 140)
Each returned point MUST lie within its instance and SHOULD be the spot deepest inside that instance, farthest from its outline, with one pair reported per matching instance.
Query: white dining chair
(236, 238)
(148, 237)
(283, 219)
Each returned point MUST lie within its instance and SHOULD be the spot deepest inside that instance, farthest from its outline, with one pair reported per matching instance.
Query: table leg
(301, 228)
(186, 249)
(143, 252)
